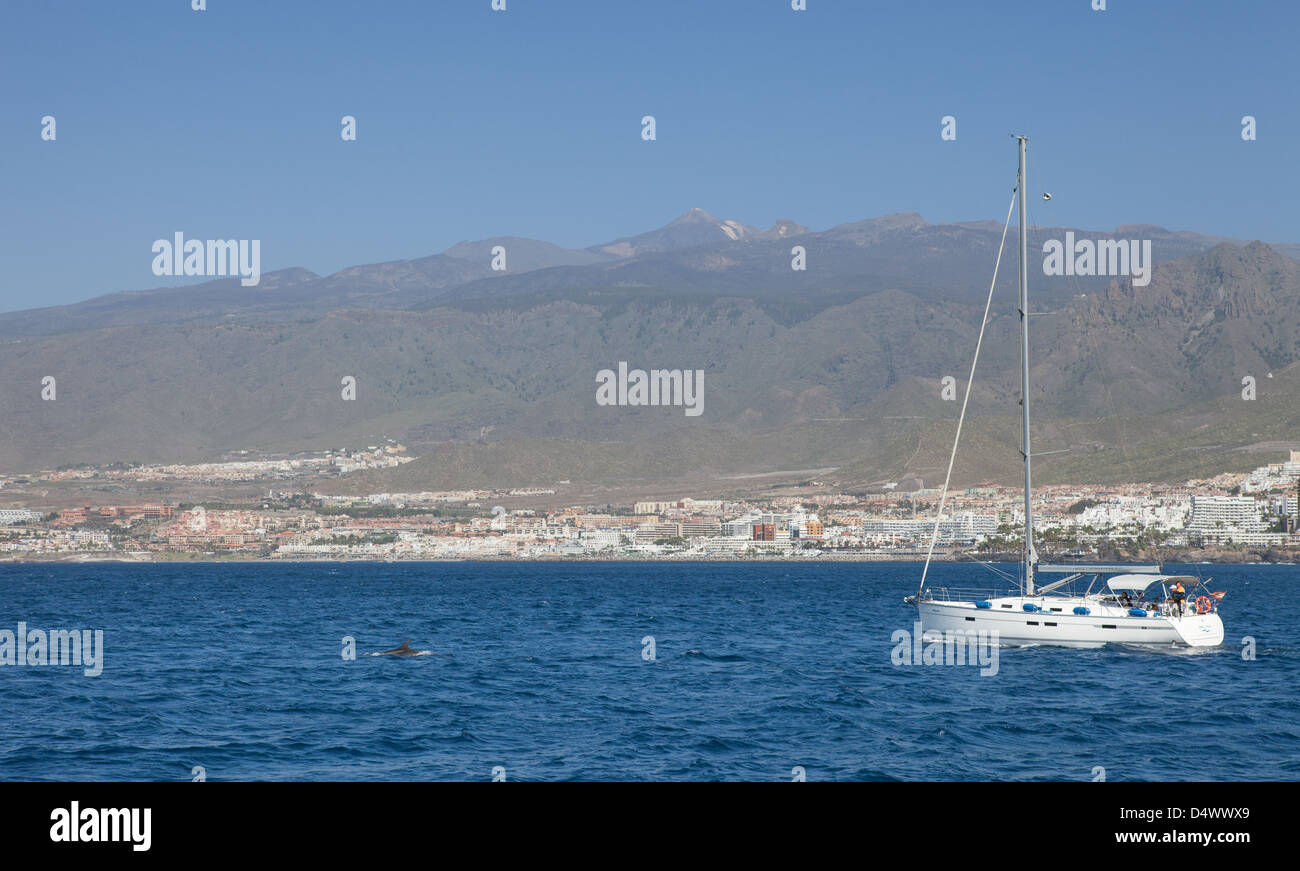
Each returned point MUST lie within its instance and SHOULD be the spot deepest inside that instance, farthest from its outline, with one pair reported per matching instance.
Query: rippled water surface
(759, 668)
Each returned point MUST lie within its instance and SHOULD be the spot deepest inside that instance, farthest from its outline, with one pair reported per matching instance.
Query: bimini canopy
(1138, 583)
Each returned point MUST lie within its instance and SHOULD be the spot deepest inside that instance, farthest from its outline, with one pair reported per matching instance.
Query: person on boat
(1179, 595)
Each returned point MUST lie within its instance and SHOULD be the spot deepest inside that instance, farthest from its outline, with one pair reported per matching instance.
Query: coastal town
(1232, 517)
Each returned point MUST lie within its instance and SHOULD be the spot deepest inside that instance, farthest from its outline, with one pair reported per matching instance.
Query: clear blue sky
(473, 123)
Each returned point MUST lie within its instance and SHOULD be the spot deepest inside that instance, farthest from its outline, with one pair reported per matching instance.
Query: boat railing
(967, 594)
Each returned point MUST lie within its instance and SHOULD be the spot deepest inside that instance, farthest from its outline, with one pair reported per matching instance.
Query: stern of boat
(1199, 630)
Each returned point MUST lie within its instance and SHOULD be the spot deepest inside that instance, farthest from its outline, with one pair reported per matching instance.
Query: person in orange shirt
(1179, 595)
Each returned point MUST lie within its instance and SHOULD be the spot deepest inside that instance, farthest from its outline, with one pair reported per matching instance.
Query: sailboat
(1139, 605)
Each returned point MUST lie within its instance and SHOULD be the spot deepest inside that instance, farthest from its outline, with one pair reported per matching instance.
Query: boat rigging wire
(943, 494)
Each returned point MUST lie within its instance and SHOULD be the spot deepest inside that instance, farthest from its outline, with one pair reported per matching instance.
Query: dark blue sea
(539, 672)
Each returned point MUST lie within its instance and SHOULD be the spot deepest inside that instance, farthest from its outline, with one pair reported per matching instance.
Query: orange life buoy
(1203, 604)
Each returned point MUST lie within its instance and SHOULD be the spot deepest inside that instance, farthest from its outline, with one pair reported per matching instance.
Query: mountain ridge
(400, 283)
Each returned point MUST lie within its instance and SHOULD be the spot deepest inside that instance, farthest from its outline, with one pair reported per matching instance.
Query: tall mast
(1031, 558)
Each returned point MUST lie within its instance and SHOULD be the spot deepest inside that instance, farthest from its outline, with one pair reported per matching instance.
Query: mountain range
(489, 376)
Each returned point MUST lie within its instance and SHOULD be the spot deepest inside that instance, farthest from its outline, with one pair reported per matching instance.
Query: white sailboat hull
(1057, 624)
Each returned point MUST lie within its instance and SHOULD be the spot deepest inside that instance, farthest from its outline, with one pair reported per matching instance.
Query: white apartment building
(966, 526)
(601, 539)
(89, 539)
(1273, 476)
(1229, 519)
(1130, 510)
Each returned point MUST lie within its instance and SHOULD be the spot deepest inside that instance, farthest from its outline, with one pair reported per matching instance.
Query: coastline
(1171, 559)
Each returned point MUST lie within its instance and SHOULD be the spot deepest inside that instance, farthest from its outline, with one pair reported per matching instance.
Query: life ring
(1203, 604)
